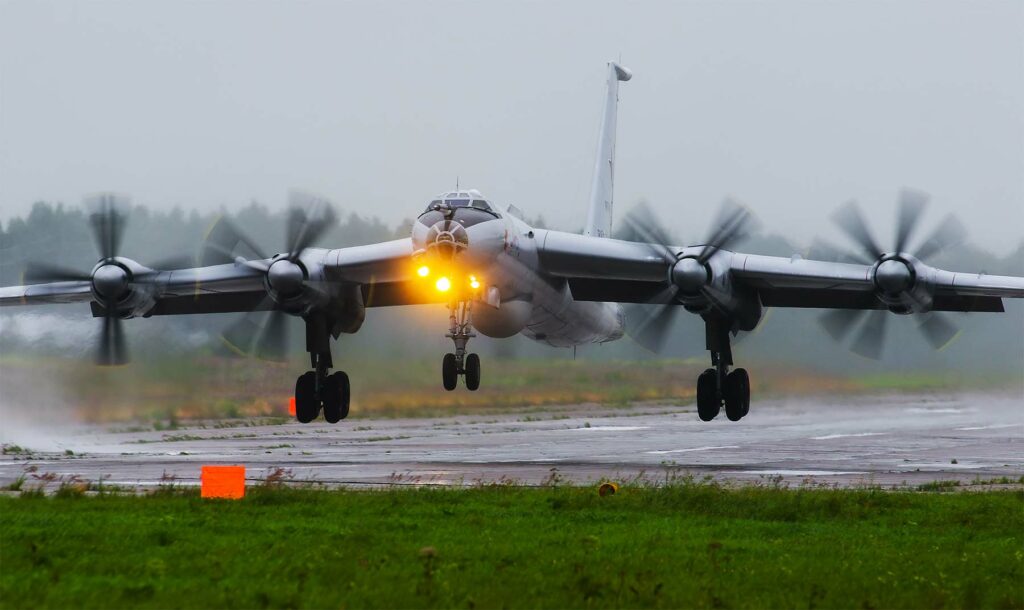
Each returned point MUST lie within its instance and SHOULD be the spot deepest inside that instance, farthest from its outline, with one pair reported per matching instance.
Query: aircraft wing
(380, 271)
(601, 269)
(38, 294)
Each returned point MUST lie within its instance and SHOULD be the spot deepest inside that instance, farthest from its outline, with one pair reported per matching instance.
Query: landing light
(473, 282)
(443, 284)
(423, 271)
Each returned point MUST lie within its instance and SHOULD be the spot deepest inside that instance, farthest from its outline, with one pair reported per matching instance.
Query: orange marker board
(291, 406)
(223, 482)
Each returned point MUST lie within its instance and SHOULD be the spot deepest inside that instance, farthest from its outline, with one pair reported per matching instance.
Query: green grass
(683, 545)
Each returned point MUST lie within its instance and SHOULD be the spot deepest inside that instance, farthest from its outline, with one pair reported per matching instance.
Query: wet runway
(884, 440)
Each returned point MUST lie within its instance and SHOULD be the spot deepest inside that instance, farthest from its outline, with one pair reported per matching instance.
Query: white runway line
(692, 449)
(829, 437)
(801, 473)
(992, 427)
(613, 428)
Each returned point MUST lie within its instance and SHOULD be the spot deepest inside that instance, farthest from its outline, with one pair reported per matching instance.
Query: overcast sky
(791, 107)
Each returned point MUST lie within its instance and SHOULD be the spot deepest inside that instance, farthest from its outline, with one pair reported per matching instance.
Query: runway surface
(884, 440)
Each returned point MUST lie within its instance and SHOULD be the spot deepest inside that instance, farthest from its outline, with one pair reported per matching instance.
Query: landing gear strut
(460, 321)
(318, 389)
(718, 385)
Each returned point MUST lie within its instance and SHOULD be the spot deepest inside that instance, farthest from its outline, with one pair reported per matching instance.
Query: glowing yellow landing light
(423, 271)
(473, 282)
(443, 284)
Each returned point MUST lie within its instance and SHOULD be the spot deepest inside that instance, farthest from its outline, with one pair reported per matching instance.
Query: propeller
(263, 331)
(690, 276)
(111, 279)
(894, 274)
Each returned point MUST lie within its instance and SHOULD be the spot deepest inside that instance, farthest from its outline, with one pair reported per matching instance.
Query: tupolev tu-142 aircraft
(500, 277)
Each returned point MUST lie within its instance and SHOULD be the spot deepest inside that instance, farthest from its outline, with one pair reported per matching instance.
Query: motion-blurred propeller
(265, 334)
(111, 279)
(648, 325)
(894, 274)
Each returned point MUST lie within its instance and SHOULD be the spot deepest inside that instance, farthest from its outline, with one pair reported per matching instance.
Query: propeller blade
(107, 225)
(912, 203)
(839, 322)
(36, 273)
(734, 220)
(309, 218)
(225, 242)
(653, 329)
(642, 226)
(261, 332)
(851, 221)
(949, 233)
(648, 325)
(871, 339)
(272, 343)
(938, 329)
(823, 251)
(112, 349)
(241, 335)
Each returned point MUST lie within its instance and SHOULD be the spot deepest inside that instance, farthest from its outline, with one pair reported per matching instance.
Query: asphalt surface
(880, 440)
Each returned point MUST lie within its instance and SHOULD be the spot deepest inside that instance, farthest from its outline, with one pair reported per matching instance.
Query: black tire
(472, 372)
(306, 405)
(449, 372)
(737, 394)
(708, 404)
(336, 397)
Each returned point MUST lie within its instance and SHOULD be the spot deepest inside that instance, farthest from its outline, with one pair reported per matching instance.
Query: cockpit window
(462, 199)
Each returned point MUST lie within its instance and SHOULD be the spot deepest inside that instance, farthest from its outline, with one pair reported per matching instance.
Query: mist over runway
(884, 440)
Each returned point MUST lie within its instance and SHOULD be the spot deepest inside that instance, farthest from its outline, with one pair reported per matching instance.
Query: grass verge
(681, 545)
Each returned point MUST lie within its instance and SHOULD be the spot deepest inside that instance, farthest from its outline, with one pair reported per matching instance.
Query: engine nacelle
(903, 283)
(707, 286)
(503, 321)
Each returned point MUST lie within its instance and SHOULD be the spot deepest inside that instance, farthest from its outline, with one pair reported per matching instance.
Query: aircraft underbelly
(560, 321)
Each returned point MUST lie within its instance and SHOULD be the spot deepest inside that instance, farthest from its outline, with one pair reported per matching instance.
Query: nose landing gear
(718, 385)
(318, 390)
(460, 321)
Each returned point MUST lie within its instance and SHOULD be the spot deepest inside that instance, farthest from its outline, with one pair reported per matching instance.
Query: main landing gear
(460, 320)
(318, 389)
(718, 385)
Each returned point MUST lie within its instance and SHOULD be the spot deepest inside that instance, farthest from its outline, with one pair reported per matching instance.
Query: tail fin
(599, 217)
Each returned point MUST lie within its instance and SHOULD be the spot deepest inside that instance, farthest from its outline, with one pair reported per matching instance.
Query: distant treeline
(60, 235)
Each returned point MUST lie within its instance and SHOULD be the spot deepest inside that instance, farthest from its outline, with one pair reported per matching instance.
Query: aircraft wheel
(337, 393)
(472, 372)
(449, 372)
(746, 393)
(306, 404)
(737, 394)
(707, 396)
